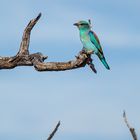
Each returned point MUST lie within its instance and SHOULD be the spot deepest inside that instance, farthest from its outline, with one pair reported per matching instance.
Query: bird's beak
(76, 24)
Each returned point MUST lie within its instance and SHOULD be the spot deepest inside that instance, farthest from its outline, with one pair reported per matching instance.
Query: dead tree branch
(24, 58)
(131, 129)
(54, 131)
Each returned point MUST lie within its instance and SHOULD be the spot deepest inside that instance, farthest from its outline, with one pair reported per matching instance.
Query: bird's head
(83, 24)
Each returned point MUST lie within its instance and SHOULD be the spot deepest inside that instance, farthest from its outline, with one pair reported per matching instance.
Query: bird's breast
(84, 38)
(88, 45)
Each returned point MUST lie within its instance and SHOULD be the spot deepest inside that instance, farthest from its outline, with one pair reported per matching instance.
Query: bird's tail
(103, 60)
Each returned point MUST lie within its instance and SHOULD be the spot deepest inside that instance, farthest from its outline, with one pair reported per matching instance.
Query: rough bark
(24, 58)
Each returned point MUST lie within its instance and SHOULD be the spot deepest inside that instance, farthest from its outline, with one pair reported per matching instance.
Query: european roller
(90, 41)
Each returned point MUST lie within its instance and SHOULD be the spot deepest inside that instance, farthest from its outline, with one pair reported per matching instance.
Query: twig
(132, 130)
(24, 46)
(54, 131)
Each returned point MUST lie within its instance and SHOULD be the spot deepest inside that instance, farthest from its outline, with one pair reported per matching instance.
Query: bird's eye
(83, 24)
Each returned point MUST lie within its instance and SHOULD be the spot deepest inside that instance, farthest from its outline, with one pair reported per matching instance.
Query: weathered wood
(24, 58)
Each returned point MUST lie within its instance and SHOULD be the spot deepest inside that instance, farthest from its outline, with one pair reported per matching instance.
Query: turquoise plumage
(90, 41)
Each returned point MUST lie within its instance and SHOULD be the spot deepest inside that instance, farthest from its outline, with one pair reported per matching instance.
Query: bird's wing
(95, 40)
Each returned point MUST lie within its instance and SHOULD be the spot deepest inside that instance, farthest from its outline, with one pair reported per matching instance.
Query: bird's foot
(84, 53)
(90, 52)
(87, 52)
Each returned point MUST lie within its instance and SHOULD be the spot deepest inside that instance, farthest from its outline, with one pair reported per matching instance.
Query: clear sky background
(89, 105)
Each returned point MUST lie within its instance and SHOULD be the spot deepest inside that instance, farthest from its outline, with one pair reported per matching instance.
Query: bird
(90, 41)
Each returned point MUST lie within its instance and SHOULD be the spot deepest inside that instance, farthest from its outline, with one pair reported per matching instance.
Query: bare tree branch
(24, 46)
(54, 131)
(24, 58)
(132, 130)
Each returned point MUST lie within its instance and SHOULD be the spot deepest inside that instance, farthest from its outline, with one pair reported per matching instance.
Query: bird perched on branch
(90, 41)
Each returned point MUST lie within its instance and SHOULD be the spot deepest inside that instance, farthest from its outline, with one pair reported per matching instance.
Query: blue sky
(89, 105)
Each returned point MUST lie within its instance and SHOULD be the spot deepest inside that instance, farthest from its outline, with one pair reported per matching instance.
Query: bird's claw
(85, 55)
(90, 52)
